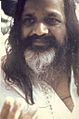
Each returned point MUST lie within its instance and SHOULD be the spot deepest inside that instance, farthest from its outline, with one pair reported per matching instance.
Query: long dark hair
(14, 64)
(73, 35)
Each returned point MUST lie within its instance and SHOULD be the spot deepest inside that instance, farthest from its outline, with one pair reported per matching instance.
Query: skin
(40, 20)
(46, 17)
(13, 110)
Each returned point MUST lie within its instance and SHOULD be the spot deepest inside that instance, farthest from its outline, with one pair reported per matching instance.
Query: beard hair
(38, 61)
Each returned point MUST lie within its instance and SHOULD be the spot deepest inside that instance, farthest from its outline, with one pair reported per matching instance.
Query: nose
(40, 29)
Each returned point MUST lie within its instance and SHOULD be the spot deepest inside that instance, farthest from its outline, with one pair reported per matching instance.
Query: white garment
(59, 109)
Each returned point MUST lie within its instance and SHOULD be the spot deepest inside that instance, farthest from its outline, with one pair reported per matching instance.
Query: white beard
(38, 61)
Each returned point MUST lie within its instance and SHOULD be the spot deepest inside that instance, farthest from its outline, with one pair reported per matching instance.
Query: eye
(28, 21)
(52, 21)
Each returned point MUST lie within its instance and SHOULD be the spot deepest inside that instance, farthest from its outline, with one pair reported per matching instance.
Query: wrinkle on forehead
(42, 3)
(44, 6)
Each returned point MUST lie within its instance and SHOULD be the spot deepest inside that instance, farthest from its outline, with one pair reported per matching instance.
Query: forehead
(44, 6)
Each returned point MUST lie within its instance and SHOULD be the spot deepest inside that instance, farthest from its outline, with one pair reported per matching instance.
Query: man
(42, 58)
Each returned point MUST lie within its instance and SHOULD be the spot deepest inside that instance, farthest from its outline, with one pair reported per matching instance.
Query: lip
(40, 43)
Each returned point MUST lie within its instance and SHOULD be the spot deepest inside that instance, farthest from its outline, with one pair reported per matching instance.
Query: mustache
(27, 42)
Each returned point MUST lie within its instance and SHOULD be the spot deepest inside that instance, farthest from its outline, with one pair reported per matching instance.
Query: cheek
(26, 31)
(60, 33)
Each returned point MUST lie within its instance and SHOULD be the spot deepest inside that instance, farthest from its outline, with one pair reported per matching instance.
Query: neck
(59, 81)
(52, 76)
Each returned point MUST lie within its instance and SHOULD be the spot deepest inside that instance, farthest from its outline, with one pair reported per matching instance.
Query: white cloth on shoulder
(59, 109)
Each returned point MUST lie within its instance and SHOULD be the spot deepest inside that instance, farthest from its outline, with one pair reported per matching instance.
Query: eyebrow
(53, 14)
(49, 13)
(56, 13)
(28, 15)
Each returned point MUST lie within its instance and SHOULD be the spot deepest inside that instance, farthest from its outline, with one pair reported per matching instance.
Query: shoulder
(7, 91)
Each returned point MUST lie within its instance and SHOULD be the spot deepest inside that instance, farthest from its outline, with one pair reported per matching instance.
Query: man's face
(43, 27)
